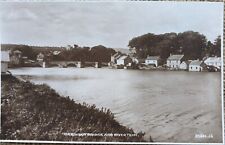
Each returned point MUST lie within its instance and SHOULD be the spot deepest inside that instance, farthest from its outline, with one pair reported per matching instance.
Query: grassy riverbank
(37, 112)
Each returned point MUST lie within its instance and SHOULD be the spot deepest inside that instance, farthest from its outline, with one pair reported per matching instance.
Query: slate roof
(213, 59)
(153, 58)
(175, 57)
(196, 62)
(123, 57)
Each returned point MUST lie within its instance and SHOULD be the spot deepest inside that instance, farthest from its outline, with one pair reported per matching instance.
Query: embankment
(37, 112)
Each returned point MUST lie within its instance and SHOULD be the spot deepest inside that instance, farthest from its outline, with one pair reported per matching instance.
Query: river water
(171, 106)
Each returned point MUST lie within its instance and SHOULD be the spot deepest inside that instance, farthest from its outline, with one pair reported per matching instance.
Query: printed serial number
(203, 136)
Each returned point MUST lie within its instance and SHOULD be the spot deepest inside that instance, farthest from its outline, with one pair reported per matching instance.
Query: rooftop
(213, 59)
(175, 57)
(196, 62)
(123, 57)
(153, 57)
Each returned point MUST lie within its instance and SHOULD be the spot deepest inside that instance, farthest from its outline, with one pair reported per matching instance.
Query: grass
(37, 112)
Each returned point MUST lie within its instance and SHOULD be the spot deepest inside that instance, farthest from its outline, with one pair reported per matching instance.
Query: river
(171, 106)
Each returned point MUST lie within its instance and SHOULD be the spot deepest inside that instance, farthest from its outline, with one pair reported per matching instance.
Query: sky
(111, 24)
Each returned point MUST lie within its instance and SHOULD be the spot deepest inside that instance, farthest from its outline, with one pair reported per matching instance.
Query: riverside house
(185, 65)
(115, 57)
(174, 61)
(40, 57)
(4, 61)
(124, 60)
(213, 61)
(152, 60)
(196, 65)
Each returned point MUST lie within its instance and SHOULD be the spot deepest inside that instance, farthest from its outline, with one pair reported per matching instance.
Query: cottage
(213, 61)
(196, 65)
(124, 60)
(174, 61)
(115, 57)
(4, 61)
(40, 57)
(152, 60)
(185, 65)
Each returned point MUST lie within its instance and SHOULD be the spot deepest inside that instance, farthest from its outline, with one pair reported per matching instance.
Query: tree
(189, 43)
(217, 46)
(26, 51)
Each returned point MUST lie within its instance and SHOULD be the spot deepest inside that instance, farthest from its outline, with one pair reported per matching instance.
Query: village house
(115, 57)
(196, 65)
(185, 65)
(4, 61)
(174, 61)
(40, 57)
(152, 60)
(124, 60)
(213, 61)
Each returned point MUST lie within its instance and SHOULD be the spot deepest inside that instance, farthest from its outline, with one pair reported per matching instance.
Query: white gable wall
(149, 62)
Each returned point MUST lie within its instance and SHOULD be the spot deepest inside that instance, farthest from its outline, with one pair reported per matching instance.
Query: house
(15, 57)
(213, 61)
(40, 57)
(115, 57)
(4, 61)
(185, 65)
(174, 61)
(56, 52)
(124, 60)
(152, 60)
(196, 65)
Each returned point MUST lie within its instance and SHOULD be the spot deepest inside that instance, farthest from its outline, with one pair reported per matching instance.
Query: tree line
(192, 44)
(76, 53)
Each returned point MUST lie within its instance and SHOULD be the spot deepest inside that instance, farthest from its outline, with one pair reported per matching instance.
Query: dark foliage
(95, 54)
(192, 44)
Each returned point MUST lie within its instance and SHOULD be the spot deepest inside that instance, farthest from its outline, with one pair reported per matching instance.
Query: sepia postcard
(111, 72)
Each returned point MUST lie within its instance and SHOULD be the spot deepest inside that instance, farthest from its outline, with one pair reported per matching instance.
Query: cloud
(108, 23)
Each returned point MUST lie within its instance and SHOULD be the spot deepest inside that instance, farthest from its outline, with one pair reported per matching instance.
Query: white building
(185, 65)
(195, 65)
(4, 61)
(174, 61)
(56, 52)
(152, 60)
(115, 57)
(124, 60)
(40, 57)
(213, 61)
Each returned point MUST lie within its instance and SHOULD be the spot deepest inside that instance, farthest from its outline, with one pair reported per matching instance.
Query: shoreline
(37, 112)
(109, 67)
